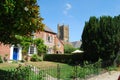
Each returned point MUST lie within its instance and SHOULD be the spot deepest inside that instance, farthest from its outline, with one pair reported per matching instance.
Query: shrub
(64, 58)
(57, 57)
(88, 69)
(21, 73)
(68, 48)
(35, 57)
(1, 61)
(111, 68)
(117, 60)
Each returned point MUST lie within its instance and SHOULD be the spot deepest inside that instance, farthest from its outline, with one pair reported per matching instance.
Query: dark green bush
(20, 73)
(57, 57)
(1, 61)
(117, 60)
(65, 58)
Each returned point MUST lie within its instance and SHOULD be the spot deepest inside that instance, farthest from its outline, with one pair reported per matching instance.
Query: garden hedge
(65, 58)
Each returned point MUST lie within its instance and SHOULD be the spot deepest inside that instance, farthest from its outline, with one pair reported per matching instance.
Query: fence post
(58, 72)
(76, 72)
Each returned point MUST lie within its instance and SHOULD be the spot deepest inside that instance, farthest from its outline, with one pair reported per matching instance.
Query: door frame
(19, 52)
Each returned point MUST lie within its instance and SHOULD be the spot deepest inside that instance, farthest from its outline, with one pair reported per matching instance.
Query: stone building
(63, 32)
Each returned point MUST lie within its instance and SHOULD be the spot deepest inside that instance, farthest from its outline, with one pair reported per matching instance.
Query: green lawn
(5, 66)
(48, 67)
(42, 64)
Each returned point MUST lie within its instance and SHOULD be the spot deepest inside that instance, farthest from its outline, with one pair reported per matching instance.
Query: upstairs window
(59, 44)
(49, 39)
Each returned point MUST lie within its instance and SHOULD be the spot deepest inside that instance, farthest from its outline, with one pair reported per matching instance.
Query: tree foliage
(101, 37)
(25, 42)
(68, 48)
(18, 17)
(41, 47)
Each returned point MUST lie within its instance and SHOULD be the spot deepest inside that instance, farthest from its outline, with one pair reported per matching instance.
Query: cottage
(54, 44)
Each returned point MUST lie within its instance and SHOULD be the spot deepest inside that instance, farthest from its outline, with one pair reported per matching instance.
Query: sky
(75, 13)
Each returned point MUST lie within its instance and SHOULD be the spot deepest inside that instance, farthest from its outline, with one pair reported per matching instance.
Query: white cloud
(68, 6)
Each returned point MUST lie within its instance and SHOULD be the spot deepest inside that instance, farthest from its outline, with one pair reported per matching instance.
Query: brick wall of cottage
(4, 49)
(55, 41)
(59, 45)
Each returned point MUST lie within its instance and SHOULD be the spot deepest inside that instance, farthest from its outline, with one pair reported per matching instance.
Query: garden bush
(65, 58)
(35, 57)
(117, 60)
(1, 61)
(20, 73)
(57, 57)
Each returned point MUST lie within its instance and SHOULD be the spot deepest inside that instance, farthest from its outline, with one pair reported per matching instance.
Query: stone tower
(63, 32)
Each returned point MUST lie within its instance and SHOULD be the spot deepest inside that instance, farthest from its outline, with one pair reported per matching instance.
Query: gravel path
(113, 75)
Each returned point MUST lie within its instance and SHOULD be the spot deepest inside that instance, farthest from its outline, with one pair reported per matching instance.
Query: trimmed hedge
(64, 58)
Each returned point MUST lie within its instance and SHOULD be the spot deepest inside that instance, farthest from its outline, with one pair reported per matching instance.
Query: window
(49, 39)
(49, 50)
(59, 44)
(32, 49)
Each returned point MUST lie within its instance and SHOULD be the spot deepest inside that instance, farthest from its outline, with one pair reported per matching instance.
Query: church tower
(63, 32)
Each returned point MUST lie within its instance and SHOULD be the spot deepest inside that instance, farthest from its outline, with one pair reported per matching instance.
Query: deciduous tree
(68, 48)
(18, 17)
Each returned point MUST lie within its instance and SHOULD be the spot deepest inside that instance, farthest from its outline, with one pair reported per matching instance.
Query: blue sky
(75, 12)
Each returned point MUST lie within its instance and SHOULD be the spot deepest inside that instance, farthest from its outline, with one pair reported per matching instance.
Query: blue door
(15, 54)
